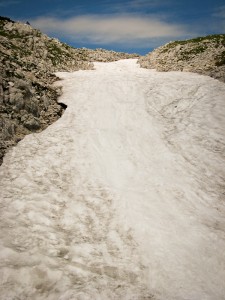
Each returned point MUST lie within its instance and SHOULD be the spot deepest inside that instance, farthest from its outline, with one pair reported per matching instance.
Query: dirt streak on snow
(123, 197)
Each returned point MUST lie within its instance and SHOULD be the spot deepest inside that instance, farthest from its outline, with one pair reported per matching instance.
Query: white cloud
(108, 29)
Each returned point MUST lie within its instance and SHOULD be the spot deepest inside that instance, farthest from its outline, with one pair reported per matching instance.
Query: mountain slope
(28, 59)
(123, 196)
(204, 55)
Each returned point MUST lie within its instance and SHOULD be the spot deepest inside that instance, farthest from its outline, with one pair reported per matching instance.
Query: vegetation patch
(220, 60)
(217, 39)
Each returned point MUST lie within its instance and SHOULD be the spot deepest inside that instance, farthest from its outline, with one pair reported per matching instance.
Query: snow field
(123, 197)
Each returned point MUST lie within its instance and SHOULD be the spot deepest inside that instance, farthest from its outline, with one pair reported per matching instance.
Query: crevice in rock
(63, 105)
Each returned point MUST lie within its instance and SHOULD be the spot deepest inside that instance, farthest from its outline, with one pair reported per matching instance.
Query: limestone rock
(32, 124)
(204, 55)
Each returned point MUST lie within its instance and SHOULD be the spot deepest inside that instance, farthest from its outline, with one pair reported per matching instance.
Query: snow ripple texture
(123, 197)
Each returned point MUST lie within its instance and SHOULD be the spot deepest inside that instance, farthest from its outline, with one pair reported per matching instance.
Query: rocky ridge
(28, 60)
(203, 55)
(102, 55)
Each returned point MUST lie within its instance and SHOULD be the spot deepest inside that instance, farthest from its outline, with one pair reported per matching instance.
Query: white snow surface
(123, 197)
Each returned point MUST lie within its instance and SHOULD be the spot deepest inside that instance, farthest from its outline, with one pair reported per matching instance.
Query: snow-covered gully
(123, 197)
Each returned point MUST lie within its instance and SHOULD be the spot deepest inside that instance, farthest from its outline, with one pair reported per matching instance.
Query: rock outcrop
(204, 55)
(28, 61)
(103, 55)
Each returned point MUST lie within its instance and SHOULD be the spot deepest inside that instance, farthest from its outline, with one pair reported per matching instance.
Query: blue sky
(129, 25)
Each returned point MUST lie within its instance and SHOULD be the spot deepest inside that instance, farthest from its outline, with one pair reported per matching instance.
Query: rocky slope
(28, 60)
(102, 55)
(204, 55)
